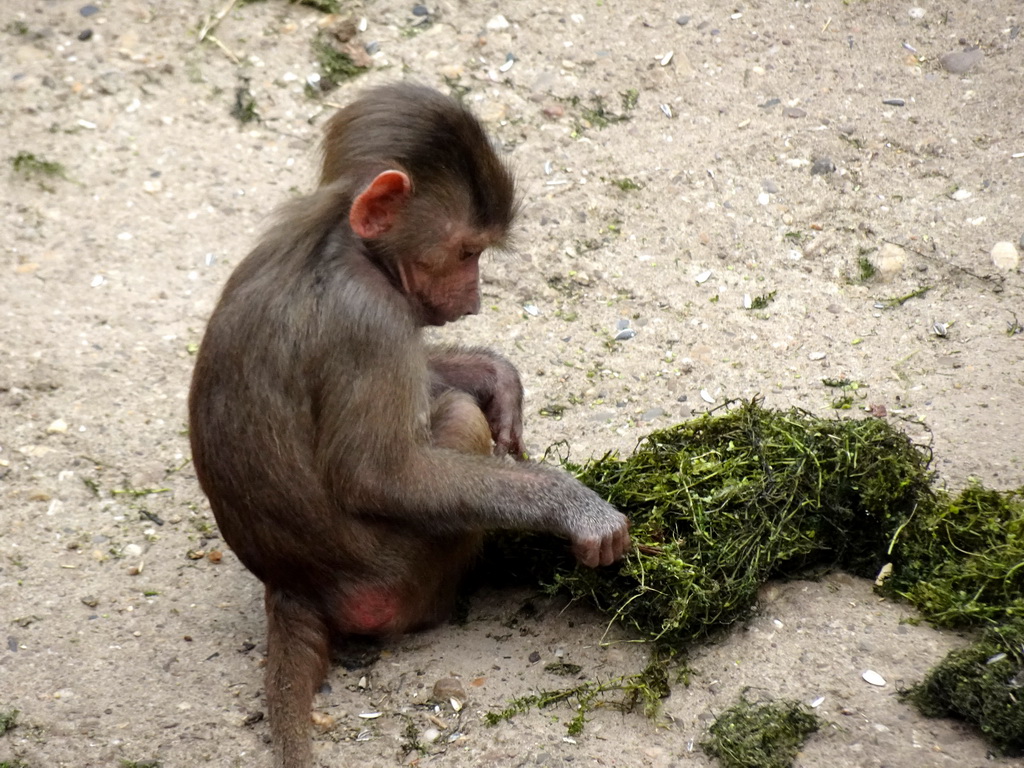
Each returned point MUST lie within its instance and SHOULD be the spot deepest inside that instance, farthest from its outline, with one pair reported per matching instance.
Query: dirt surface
(755, 144)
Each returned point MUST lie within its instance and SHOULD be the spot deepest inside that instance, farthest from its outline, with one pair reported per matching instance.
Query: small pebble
(817, 356)
(448, 688)
(85, 34)
(1005, 256)
(823, 166)
(322, 720)
(59, 426)
(88, 10)
(534, 657)
(372, 48)
(497, 23)
(794, 112)
(895, 102)
(420, 10)
(889, 261)
(682, 21)
(961, 62)
(621, 324)
(847, 129)
(770, 186)
(431, 735)
(916, 12)
(625, 334)
(132, 550)
(961, 194)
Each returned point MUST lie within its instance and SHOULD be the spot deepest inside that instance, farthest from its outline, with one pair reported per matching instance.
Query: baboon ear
(378, 206)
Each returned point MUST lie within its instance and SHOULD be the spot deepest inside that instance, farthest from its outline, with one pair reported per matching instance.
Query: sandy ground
(760, 148)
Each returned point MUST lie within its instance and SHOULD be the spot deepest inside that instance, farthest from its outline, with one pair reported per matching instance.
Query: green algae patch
(982, 684)
(722, 503)
(765, 734)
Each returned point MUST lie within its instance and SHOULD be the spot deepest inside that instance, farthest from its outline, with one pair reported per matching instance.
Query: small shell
(666, 110)
(997, 657)
(706, 396)
(667, 58)
(370, 715)
(872, 677)
(625, 334)
(456, 704)
(817, 702)
(703, 277)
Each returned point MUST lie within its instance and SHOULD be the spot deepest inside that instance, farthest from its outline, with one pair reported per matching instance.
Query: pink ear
(377, 207)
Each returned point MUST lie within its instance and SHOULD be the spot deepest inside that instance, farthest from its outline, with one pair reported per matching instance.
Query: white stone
(1005, 256)
(497, 23)
(889, 261)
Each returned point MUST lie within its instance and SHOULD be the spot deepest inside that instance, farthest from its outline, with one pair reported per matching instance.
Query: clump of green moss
(31, 166)
(983, 684)
(244, 109)
(722, 503)
(960, 558)
(335, 66)
(760, 735)
(8, 720)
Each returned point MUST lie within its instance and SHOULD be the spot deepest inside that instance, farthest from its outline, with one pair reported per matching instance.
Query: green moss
(960, 559)
(31, 166)
(8, 720)
(335, 67)
(760, 735)
(865, 269)
(244, 109)
(983, 684)
(722, 503)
